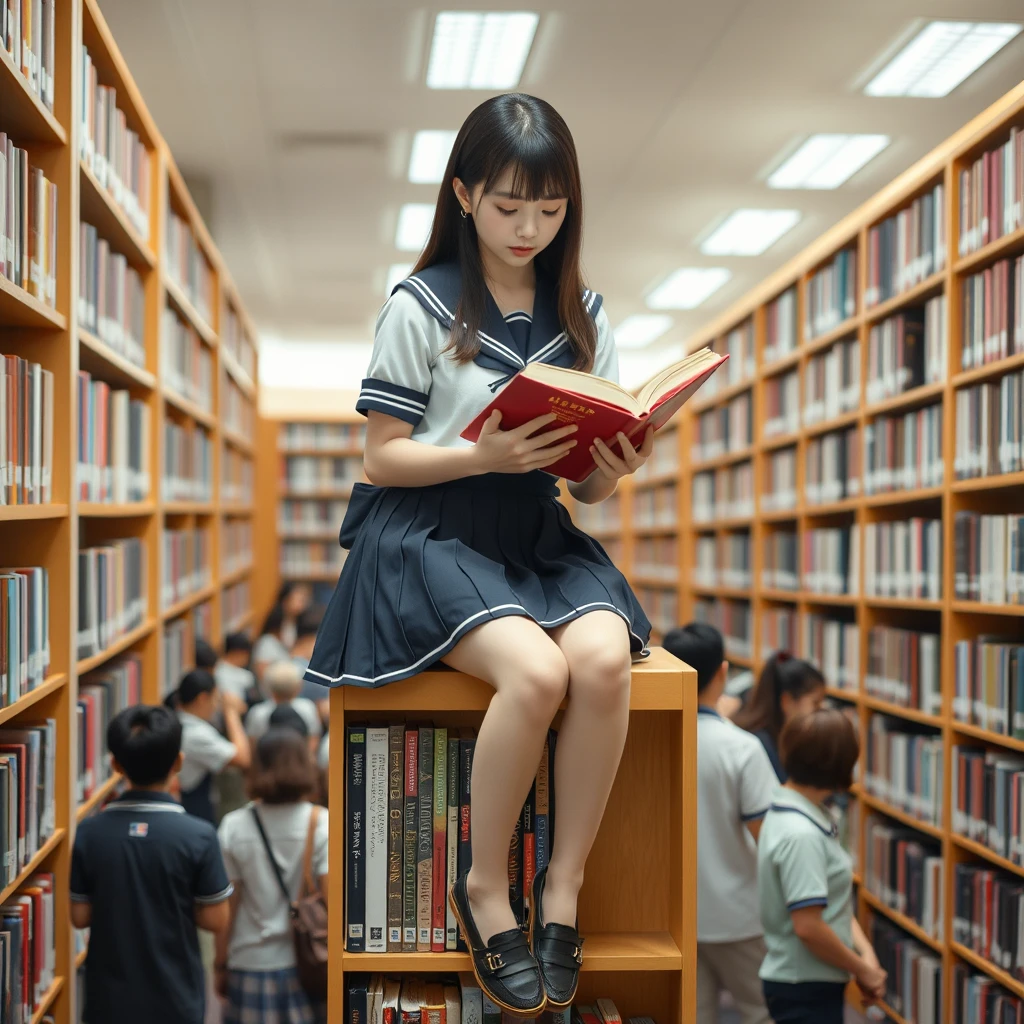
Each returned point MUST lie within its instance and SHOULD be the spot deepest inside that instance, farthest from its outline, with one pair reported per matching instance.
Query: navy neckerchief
(438, 289)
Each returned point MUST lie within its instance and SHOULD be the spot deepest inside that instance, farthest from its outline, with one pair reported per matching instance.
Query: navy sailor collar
(438, 289)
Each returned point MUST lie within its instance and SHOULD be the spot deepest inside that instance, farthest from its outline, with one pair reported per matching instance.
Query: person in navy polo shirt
(144, 875)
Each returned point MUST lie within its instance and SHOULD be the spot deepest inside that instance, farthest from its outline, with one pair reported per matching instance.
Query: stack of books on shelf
(656, 558)
(988, 679)
(903, 452)
(907, 248)
(325, 437)
(907, 351)
(111, 297)
(988, 916)
(188, 463)
(832, 382)
(236, 545)
(113, 444)
(28, 224)
(236, 478)
(113, 152)
(737, 563)
(781, 404)
(977, 997)
(702, 498)
(990, 427)
(664, 456)
(112, 593)
(186, 265)
(600, 518)
(832, 467)
(705, 562)
(236, 601)
(733, 619)
(27, 33)
(177, 655)
(187, 362)
(26, 432)
(903, 559)
(903, 767)
(311, 558)
(186, 563)
(738, 492)
(660, 604)
(101, 695)
(913, 988)
(903, 668)
(237, 410)
(24, 631)
(780, 327)
(235, 341)
(778, 631)
(309, 474)
(993, 314)
(780, 481)
(28, 947)
(655, 507)
(992, 195)
(830, 559)
(988, 786)
(831, 296)
(28, 781)
(781, 569)
(310, 518)
(989, 554)
(834, 646)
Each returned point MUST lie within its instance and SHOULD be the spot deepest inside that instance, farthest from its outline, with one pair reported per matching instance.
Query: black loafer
(558, 949)
(504, 968)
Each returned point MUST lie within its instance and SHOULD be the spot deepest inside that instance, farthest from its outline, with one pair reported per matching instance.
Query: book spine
(355, 888)
(377, 840)
(540, 815)
(467, 746)
(529, 855)
(396, 812)
(451, 925)
(424, 839)
(439, 868)
(409, 843)
(515, 871)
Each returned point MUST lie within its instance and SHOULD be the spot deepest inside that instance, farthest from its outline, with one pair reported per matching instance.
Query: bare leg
(589, 748)
(529, 676)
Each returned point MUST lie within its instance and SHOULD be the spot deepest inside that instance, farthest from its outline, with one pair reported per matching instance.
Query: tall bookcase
(743, 512)
(52, 535)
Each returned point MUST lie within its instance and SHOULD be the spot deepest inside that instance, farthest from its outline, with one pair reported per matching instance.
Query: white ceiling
(301, 113)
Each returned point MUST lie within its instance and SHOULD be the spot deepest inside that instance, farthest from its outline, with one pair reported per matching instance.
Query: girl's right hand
(523, 449)
(871, 980)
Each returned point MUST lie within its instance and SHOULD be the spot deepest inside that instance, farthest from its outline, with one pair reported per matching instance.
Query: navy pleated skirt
(429, 564)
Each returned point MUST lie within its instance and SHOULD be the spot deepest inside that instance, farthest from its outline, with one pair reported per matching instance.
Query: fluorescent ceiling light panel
(687, 287)
(826, 161)
(940, 57)
(397, 272)
(414, 220)
(749, 232)
(429, 157)
(480, 49)
(640, 330)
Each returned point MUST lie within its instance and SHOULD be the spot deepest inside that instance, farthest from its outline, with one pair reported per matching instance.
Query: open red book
(600, 407)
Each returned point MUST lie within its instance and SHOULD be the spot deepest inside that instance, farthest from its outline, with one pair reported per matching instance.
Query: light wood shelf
(48, 686)
(102, 792)
(128, 510)
(192, 315)
(20, 309)
(49, 996)
(25, 115)
(22, 513)
(101, 360)
(120, 645)
(906, 923)
(35, 863)
(99, 209)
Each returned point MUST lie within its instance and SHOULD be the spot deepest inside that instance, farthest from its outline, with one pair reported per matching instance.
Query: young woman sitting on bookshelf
(786, 688)
(462, 553)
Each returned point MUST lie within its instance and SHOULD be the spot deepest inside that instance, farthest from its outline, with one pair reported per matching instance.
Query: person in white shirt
(284, 684)
(735, 782)
(232, 668)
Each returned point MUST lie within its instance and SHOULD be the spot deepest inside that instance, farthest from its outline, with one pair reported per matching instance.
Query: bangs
(532, 168)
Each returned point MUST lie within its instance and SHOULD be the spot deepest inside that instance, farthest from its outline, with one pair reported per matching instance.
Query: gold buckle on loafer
(494, 961)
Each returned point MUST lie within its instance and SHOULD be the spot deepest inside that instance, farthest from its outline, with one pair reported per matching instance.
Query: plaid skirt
(269, 997)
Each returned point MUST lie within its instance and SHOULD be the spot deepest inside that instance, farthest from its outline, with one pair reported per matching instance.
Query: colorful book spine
(355, 881)
(438, 895)
(396, 815)
(409, 841)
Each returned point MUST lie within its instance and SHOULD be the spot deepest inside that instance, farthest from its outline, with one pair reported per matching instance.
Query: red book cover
(598, 407)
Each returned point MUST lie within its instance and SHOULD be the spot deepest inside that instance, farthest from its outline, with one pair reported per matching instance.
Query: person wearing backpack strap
(271, 961)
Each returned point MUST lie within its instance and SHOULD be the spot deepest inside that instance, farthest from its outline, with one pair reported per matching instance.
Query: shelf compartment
(918, 604)
(989, 483)
(1005, 246)
(1006, 980)
(34, 864)
(189, 408)
(915, 396)
(897, 711)
(102, 792)
(239, 441)
(979, 608)
(26, 117)
(101, 360)
(885, 498)
(838, 333)
(99, 209)
(986, 735)
(847, 419)
(980, 850)
(904, 922)
(22, 704)
(104, 510)
(921, 291)
(901, 816)
(17, 513)
(19, 309)
(723, 395)
(188, 603)
(184, 306)
(121, 644)
(998, 368)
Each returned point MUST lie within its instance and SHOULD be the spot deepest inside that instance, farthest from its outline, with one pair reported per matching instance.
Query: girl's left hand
(611, 465)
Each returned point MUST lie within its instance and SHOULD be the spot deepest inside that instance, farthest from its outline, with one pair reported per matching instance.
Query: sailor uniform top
(429, 564)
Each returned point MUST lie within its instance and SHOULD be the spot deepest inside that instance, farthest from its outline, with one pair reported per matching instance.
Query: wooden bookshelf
(638, 915)
(52, 535)
(952, 619)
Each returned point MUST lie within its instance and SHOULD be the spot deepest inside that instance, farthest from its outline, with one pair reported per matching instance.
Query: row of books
(907, 351)
(237, 410)
(28, 780)
(903, 767)
(236, 603)
(834, 646)
(186, 361)
(988, 915)
(904, 559)
(305, 474)
(727, 494)
(780, 327)
(235, 544)
(600, 518)
(24, 631)
(906, 248)
(779, 630)
(113, 444)
(988, 684)
(112, 593)
(992, 194)
(655, 506)
(904, 870)
(726, 428)
(988, 787)
(661, 606)
(989, 554)
(185, 564)
(102, 695)
(726, 562)
(188, 463)
(178, 650)
(236, 477)
(903, 668)
(311, 558)
(733, 619)
(832, 467)
(831, 295)
(979, 999)
(781, 397)
(26, 432)
(201, 617)
(28, 224)
(993, 314)
(780, 481)
(298, 518)
(664, 456)
(913, 986)
(237, 343)
(27, 34)
(656, 558)
(28, 949)
(903, 452)
(832, 382)
(829, 559)
(738, 344)
(186, 265)
(781, 569)
(113, 151)
(327, 437)
(990, 428)
(111, 296)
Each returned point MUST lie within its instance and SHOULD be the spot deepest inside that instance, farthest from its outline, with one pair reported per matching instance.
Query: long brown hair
(781, 674)
(529, 138)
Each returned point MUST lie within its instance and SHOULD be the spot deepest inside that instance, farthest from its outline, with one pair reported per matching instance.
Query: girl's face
(514, 231)
(296, 602)
(802, 705)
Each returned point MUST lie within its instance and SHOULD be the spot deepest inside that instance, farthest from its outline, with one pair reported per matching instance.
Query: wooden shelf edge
(997, 368)
(236, 574)
(80, 959)
(986, 735)
(100, 348)
(121, 644)
(897, 402)
(188, 508)
(894, 304)
(980, 850)
(901, 816)
(184, 306)
(34, 864)
(1004, 979)
(102, 792)
(102, 510)
(234, 368)
(22, 704)
(188, 603)
(30, 311)
(988, 483)
(993, 251)
(812, 346)
(906, 923)
(188, 407)
(239, 441)
(48, 999)
(978, 608)
(898, 711)
(15, 513)
(48, 128)
(140, 247)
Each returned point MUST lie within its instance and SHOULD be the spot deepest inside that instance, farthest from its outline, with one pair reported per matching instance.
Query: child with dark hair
(144, 876)
(814, 943)
(788, 687)
(206, 656)
(735, 783)
(284, 716)
(232, 668)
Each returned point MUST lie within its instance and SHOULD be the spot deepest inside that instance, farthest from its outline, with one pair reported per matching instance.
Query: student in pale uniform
(462, 553)
(735, 783)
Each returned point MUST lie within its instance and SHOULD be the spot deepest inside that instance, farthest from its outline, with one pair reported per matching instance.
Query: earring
(463, 212)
